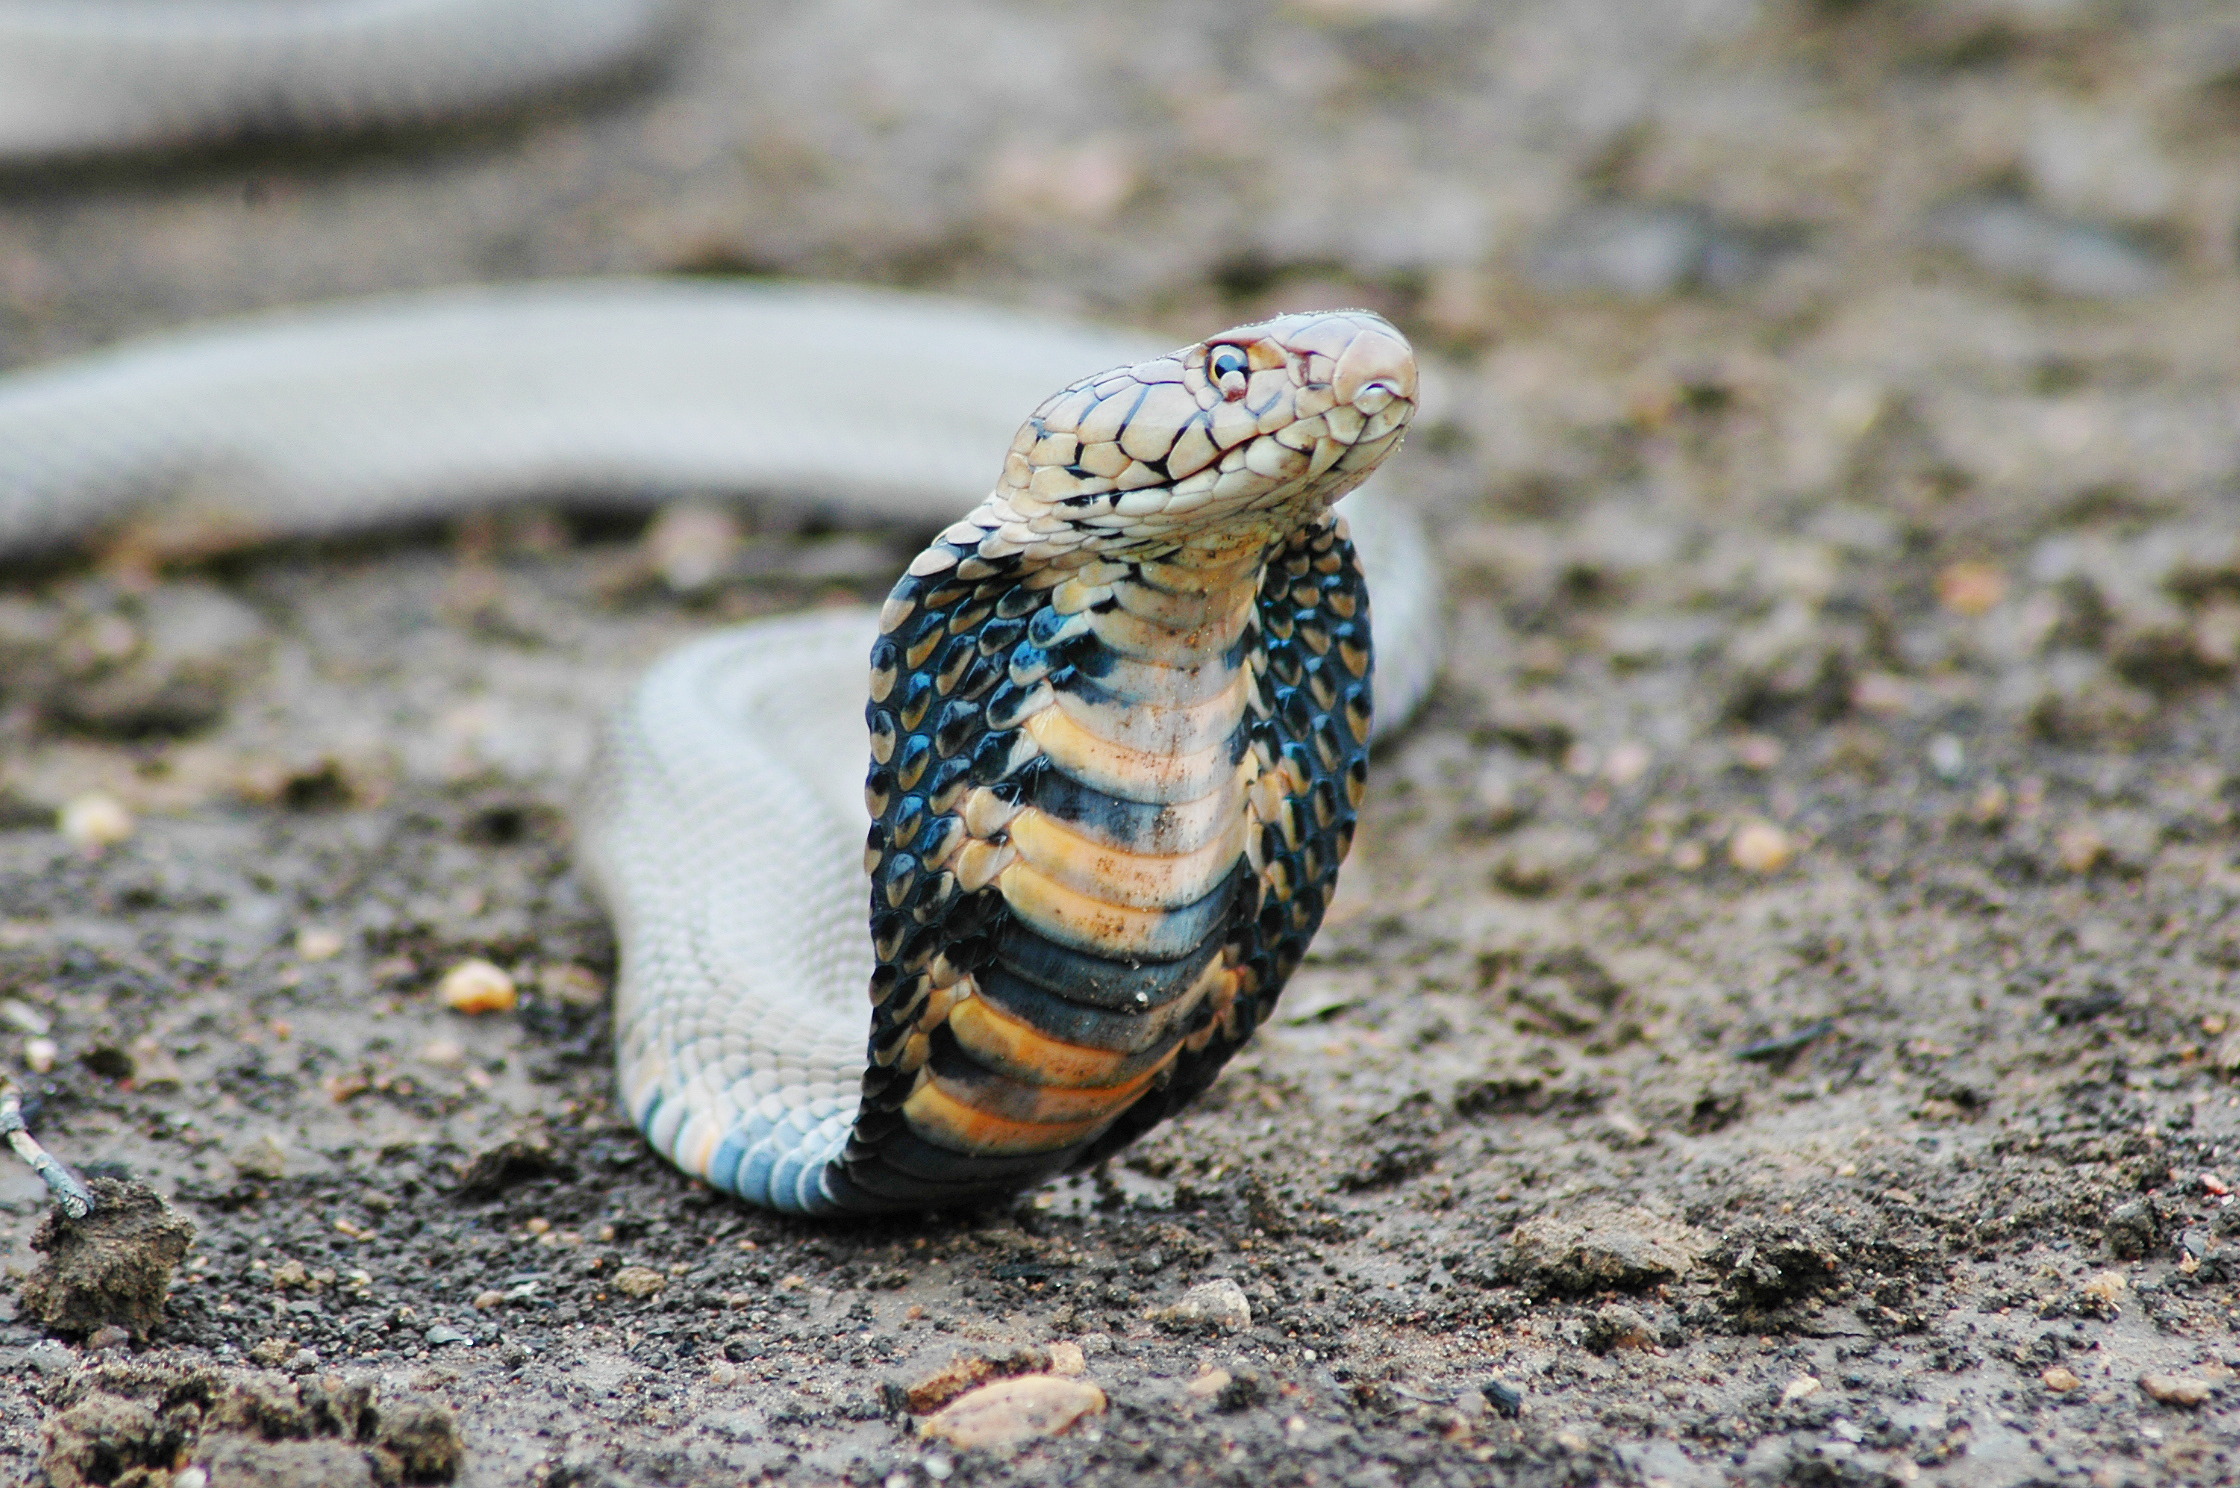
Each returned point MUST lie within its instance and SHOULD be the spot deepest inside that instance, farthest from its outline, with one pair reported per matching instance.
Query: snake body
(1118, 718)
(88, 77)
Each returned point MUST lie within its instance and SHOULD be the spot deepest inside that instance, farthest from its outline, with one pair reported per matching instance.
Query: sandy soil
(1778, 1025)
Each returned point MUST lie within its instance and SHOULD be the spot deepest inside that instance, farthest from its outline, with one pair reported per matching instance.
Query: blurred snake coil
(1119, 713)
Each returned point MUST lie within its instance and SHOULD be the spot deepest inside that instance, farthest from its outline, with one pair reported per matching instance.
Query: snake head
(1248, 433)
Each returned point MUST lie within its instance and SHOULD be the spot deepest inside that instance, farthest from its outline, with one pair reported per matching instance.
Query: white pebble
(96, 820)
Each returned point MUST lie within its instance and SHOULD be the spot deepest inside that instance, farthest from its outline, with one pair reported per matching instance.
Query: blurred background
(1865, 360)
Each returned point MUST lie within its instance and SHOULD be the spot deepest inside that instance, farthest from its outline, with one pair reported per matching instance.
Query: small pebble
(153, 1065)
(2080, 849)
(24, 1017)
(314, 944)
(639, 1281)
(1505, 1399)
(1015, 1410)
(263, 1157)
(1210, 1304)
(111, 1337)
(476, 986)
(1971, 588)
(1209, 1384)
(39, 1054)
(485, 1301)
(1799, 1388)
(96, 820)
(2060, 1379)
(2182, 1390)
(1759, 752)
(1629, 760)
(444, 1053)
(443, 1335)
(1882, 693)
(1947, 756)
(577, 986)
(1067, 1358)
(1760, 847)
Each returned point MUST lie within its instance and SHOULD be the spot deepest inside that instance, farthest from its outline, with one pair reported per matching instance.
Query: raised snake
(1120, 713)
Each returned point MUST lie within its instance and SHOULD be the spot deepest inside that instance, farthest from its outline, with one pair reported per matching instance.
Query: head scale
(1235, 440)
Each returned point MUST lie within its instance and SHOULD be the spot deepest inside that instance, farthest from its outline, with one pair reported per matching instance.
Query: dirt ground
(1778, 1024)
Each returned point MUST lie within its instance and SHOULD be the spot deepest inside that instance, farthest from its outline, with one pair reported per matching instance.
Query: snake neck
(1103, 830)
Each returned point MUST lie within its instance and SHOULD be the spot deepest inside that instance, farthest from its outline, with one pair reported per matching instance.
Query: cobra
(1118, 715)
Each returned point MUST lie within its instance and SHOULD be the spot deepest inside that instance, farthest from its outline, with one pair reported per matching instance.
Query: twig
(76, 1200)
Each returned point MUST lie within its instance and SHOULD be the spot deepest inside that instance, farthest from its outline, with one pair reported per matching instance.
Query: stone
(639, 1281)
(2131, 1230)
(95, 820)
(1218, 1304)
(1209, 1384)
(1760, 847)
(968, 1371)
(1618, 1326)
(2181, 1390)
(315, 943)
(2060, 1379)
(1011, 1411)
(1602, 1245)
(112, 1268)
(516, 1160)
(261, 1157)
(476, 986)
(1971, 587)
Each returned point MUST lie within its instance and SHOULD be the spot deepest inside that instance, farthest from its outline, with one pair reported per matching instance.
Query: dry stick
(72, 1195)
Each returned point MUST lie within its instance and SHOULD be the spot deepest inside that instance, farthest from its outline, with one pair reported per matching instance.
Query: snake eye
(1225, 369)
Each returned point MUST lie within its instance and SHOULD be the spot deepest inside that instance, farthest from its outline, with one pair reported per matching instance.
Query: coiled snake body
(1118, 714)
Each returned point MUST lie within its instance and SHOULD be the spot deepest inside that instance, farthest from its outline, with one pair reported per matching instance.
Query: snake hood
(1119, 728)
(1215, 449)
